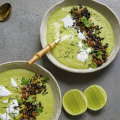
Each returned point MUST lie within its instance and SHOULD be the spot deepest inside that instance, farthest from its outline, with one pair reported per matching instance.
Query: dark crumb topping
(30, 88)
(81, 15)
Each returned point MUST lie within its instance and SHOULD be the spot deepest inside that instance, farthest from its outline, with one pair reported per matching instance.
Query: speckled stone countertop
(19, 40)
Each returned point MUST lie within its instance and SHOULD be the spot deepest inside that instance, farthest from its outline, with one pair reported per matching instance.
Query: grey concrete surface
(19, 40)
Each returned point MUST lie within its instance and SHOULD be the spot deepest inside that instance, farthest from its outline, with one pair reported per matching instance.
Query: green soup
(66, 50)
(47, 100)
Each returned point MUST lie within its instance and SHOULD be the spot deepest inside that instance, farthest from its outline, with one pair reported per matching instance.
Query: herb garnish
(30, 88)
(39, 110)
(44, 79)
(92, 51)
(97, 32)
(86, 22)
(93, 65)
(19, 101)
(99, 54)
(24, 81)
(85, 46)
(72, 13)
(31, 100)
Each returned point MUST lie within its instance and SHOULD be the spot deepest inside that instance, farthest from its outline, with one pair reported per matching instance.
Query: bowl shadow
(69, 117)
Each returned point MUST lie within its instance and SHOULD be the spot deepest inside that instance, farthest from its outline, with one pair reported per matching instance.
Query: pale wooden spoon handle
(39, 54)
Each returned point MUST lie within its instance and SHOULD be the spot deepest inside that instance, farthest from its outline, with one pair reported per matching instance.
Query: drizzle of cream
(61, 39)
(68, 21)
(83, 55)
(4, 116)
(65, 37)
(4, 91)
(80, 45)
(12, 110)
(14, 84)
(81, 35)
(5, 101)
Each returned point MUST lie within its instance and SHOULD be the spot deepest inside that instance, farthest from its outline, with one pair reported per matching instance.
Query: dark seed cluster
(29, 111)
(85, 12)
(99, 54)
(31, 107)
(77, 13)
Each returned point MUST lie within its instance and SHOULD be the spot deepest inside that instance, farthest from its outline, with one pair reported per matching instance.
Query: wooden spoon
(39, 54)
(5, 11)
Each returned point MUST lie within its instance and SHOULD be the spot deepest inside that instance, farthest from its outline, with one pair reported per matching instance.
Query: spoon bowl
(5, 11)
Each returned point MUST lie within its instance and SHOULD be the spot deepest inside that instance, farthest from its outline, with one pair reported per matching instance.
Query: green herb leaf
(85, 47)
(86, 22)
(39, 110)
(24, 81)
(99, 53)
(97, 32)
(72, 13)
(92, 51)
(99, 56)
(14, 118)
(20, 101)
(31, 100)
(44, 79)
(93, 65)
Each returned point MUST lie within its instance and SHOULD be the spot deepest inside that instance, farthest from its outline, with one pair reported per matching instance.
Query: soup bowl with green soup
(88, 34)
(28, 93)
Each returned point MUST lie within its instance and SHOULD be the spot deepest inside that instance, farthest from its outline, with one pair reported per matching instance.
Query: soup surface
(46, 100)
(70, 50)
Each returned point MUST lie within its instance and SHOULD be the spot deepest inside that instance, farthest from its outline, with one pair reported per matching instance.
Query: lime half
(96, 97)
(74, 102)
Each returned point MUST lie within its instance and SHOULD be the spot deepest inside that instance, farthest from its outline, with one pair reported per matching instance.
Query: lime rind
(82, 96)
(103, 93)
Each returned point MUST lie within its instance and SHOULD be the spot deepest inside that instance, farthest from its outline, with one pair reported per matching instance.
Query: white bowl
(40, 70)
(103, 9)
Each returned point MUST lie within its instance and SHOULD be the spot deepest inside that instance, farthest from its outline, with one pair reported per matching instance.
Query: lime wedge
(74, 102)
(96, 97)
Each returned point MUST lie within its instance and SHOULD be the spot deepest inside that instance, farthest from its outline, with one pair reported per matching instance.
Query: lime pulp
(74, 102)
(96, 97)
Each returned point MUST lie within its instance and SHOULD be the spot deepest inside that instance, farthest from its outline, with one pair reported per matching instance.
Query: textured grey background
(19, 40)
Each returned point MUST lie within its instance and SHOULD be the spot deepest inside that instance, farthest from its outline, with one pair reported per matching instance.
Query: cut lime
(96, 97)
(74, 102)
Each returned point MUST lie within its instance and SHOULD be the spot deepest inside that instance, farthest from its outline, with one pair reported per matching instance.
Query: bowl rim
(74, 70)
(44, 69)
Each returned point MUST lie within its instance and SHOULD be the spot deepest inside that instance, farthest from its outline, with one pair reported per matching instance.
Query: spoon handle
(39, 54)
